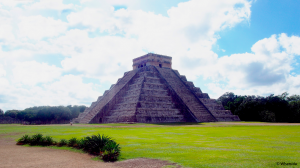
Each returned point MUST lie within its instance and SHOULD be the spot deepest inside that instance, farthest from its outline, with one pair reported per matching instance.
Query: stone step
(196, 90)
(156, 111)
(133, 92)
(123, 106)
(154, 92)
(189, 84)
(159, 115)
(155, 98)
(202, 95)
(159, 119)
(154, 86)
(147, 74)
(120, 118)
(119, 111)
(164, 105)
(129, 98)
(214, 106)
(221, 112)
(152, 80)
(207, 101)
(137, 80)
(135, 86)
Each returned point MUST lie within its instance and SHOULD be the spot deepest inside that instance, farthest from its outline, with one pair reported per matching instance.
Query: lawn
(190, 145)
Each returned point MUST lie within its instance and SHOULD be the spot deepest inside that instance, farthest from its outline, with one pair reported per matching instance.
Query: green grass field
(194, 145)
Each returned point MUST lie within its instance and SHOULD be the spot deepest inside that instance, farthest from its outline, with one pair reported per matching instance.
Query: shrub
(63, 142)
(98, 144)
(25, 139)
(36, 139)
(81, 143)
(95, 143)
(47, 141)
(111, 151)
(72, 142)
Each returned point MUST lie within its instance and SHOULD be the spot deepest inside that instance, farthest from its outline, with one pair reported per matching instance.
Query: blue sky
(267, 18)
(63, 52)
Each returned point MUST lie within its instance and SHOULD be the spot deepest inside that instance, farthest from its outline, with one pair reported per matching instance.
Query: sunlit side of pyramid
(153, 93)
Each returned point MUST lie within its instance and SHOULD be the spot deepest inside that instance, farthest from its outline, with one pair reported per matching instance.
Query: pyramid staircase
(148, 99)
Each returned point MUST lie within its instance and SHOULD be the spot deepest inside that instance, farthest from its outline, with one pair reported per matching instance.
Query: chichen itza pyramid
(152, 93)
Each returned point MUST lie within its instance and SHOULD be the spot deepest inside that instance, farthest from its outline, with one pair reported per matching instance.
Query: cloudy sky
(61, 52)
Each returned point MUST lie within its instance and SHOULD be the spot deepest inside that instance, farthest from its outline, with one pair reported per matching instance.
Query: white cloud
(32, 72)
(68, 90)
(37, 27)
(12, 3)
(265, 71)
(2, 71)
(71, 90)
(49, 4)
(291, 44)
(6, 27)
(105, 58)
(189, 26)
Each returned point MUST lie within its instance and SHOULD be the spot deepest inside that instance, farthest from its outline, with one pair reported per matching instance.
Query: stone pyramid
(153, 93)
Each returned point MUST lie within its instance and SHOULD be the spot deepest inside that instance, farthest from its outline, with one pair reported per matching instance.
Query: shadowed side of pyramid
(152, 93)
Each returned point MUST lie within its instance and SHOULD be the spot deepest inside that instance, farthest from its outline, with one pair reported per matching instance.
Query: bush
(47, 141)
(111, 151)
(72, 142)
(63, 142)
(81, 143)
(95, 143)
(36, 139)
(24, 140)
(98, 144)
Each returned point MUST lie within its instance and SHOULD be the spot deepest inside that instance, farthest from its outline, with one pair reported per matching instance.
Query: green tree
(294, 107)
(293, 98)
(75, 110)
(280, 106)
(230, 101)
(30, 117)
(11, 113)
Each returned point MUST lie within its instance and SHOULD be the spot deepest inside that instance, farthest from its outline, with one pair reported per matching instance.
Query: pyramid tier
(159, 115)
(164, 105)
(129, 98)
(155, 98)
(121, 116)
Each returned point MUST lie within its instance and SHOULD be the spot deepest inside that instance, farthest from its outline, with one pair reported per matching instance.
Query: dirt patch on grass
(12, 155)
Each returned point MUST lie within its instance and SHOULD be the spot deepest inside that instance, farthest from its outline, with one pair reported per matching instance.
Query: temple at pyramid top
(153, 92)
(152, 59)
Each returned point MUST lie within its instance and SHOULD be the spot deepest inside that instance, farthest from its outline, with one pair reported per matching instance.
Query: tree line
(45, 114)
(279, 108)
